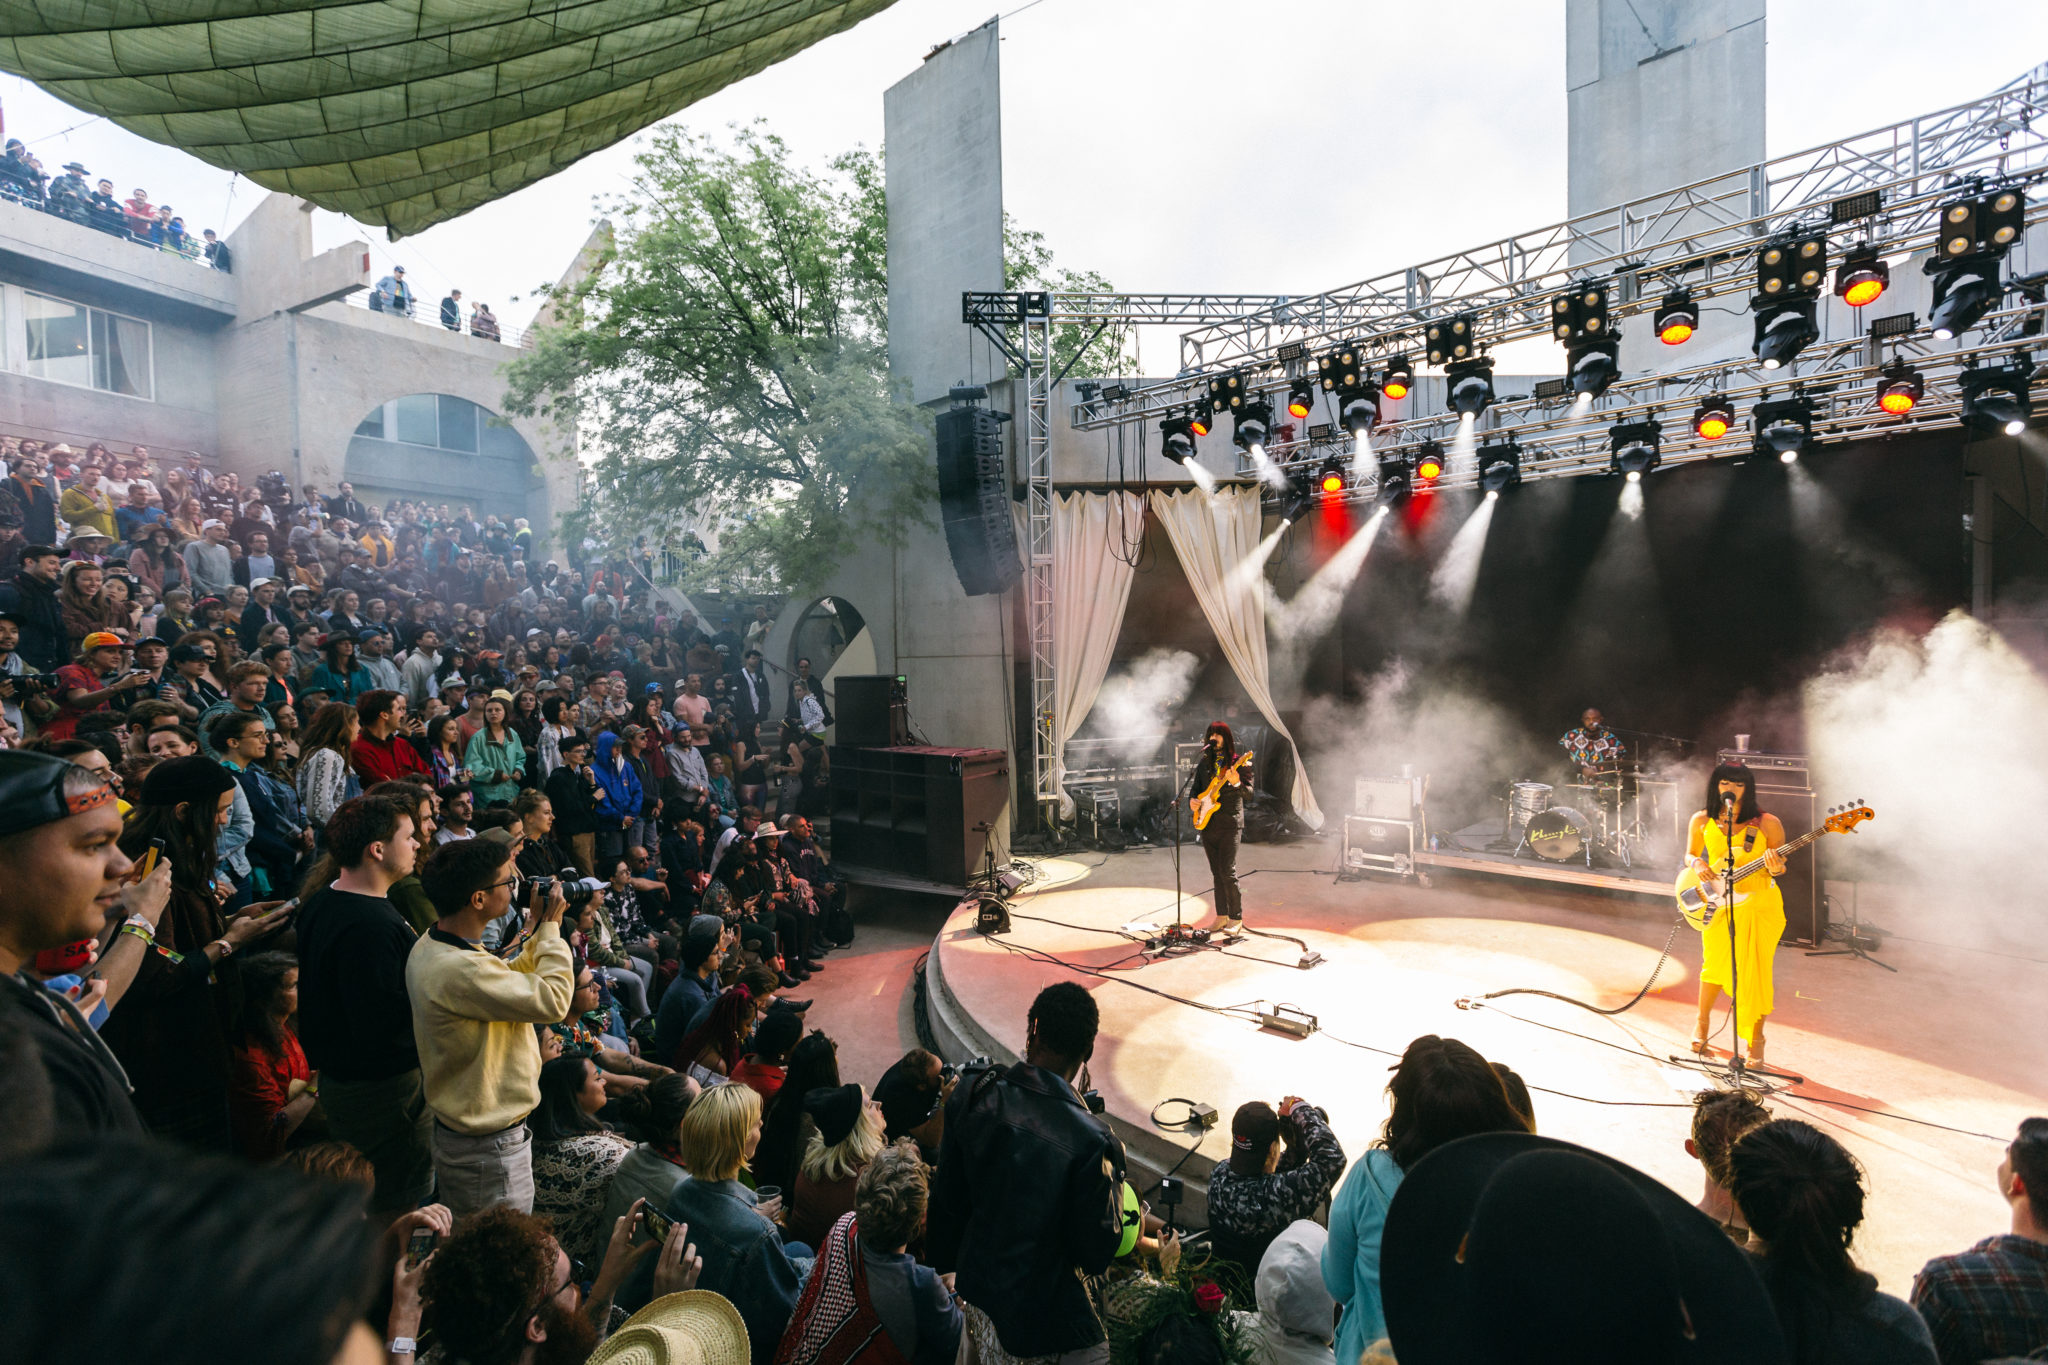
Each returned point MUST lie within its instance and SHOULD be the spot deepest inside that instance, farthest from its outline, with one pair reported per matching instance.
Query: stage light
(1633, 448)
(1331, 479)
(1429, 462)
(1342, 368)
(1793, 265)
(1451, 339)
(1299, 503)
(1359, 408)
(1301, 398)
(1593, 367)
(1783, 330)
(1677, 318)
(1899, 388)
(1229, 392)
(1396, 478)
(1862, 277)
(1397, 378)
(1177, 439)
(1469, 385)
(1500, 466)
(1996, 399)
(1254, 423)
(1964, 291)
(1713, 419)
(1784, 427)
(1201, 418)
(1580, 322)
(1988, 222)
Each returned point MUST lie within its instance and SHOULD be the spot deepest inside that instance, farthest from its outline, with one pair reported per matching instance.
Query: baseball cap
(212, 522)
(32, 791)
(1252, 1130)
(101, 639)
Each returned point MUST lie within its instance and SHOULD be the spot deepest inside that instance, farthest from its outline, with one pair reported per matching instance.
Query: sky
(1286, 147)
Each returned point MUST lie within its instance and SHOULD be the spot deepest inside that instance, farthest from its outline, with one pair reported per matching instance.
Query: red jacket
(386, 760)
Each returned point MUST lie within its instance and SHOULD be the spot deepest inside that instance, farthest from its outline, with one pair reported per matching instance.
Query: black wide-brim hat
(1510, 1246)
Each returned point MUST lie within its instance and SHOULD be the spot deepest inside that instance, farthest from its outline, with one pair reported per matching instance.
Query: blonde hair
(824, 1164)
(713, 1138)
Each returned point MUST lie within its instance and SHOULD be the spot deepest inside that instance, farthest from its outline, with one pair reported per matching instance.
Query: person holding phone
(472, 1018)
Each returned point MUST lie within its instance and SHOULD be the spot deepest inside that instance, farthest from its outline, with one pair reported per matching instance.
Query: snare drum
(1526, 800)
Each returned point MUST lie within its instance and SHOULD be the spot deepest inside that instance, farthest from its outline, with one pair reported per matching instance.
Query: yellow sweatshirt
(473, 1016)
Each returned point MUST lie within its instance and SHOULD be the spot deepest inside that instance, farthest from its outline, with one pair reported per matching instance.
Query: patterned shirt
(1246, 1212)
(1591, 748)
(1988, 1302)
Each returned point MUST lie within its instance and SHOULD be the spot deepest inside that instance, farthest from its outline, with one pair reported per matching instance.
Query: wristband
(401, 1346)
(141, 931)
(140, 925)
(227, 949)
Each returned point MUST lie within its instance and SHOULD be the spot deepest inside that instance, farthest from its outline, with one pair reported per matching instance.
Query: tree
(1080, 352)
(727, 366)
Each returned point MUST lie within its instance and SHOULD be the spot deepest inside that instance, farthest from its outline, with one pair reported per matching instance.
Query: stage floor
(1944, 1040)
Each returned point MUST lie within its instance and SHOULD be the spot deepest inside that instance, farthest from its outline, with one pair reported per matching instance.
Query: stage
(1934, 1041)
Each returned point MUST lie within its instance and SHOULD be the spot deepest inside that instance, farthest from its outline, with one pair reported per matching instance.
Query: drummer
(1592, 747)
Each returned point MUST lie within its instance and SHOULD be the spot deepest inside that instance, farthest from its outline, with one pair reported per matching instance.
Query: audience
(1719, 1119)
(273, 1092)
(1991, 1301)
(653, 1169)
(1296, 1321)
(848, 1135)
(575, 1155)
(1262, 1189)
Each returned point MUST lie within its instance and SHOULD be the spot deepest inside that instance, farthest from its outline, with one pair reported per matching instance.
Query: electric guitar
(1209, 800)
(1700, 897)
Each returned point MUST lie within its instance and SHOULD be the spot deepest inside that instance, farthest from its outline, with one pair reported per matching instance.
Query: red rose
(1209, 1297)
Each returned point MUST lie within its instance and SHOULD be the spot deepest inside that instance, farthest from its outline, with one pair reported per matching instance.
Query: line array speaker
(974, 501)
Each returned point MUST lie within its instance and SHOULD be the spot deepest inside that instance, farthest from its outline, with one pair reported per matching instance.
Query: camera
(1093, 1099)
(573, 889)
(543, 888)
(35, 684)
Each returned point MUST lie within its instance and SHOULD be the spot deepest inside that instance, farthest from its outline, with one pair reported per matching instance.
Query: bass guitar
(1700, 897)
(1210, 799)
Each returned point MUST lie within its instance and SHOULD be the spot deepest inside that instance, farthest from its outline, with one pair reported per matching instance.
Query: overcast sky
(1287, 146)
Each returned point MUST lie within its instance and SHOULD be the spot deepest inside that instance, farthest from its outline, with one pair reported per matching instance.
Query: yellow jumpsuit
(1759, 924)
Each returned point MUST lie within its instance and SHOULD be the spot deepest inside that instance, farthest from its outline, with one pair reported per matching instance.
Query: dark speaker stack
(1784, 789)
(874, 710)
(974, 500)
(907, 810)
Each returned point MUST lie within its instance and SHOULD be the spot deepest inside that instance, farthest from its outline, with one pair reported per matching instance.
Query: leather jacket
(1025, 1203)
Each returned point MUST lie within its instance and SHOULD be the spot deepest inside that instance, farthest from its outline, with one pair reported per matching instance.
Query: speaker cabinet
(874, 710)
(916, 812)
(1806, 912)
(974, 501)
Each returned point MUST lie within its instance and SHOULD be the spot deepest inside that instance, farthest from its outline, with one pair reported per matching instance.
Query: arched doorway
(824, 633)
(436, 448)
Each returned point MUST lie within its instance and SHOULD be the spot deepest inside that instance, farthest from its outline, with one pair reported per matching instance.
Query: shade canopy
(409, 112)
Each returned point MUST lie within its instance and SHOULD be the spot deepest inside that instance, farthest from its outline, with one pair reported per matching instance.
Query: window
(458, 424)
(439, 420)
(73, 344)
(417, 421)
(373, 425)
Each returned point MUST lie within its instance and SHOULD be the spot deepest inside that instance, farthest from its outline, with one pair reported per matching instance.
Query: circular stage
(1399, 961)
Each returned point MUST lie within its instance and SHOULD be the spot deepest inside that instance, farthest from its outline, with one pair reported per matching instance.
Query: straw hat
(696, 1327)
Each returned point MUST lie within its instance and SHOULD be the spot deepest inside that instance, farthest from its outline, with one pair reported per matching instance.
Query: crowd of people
(402, 963)
(72, 193)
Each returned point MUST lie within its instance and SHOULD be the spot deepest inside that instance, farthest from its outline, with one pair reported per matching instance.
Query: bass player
(1219, 837)
(1732, 816)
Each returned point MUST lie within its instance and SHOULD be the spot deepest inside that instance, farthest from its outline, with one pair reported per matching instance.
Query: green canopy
(405, 112)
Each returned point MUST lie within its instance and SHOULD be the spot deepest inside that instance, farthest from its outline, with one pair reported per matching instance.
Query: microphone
(1727, 804)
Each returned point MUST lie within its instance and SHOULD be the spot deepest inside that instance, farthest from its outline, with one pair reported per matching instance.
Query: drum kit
(1617, 811)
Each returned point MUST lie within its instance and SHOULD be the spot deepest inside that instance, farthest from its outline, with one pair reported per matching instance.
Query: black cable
(1636, 999)
(1189, 1124)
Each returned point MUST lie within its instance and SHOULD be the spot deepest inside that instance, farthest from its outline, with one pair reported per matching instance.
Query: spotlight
(1429, 462)
(1229, 392)
(1862, 277)
(1301, 398)
(1396, 479)
(1451, 339)
(1341, 368)
(1299, 502)
(1784, 427)
(1677, 318)
(1979, 224)
(1331, 478)
(1579, 321)
(1964, 291)
(1713, 419)
(1500, 466)
(1593, 367)
(1201, 417)
(1633, 448)
(1997, 399)
(1899, 388)
(1469, 385)
(1359, 408)
(1254, 421)
(1177, 439)
(1396, 379)
(1783, 330)
(1793, 265)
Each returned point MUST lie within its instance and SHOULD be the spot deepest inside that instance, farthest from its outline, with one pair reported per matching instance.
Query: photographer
(1261, 1189)
(18, 701)
(1025, 1202)
(473, 1015)
(99, 681)
(31, 598)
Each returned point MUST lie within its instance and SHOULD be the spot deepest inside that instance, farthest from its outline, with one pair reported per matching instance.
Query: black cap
(178, 780)
(1252, 1130)
(835, 1109)
(32, 791)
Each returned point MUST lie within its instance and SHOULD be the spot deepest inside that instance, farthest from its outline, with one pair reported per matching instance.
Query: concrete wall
(943, 128)
(1660, 93)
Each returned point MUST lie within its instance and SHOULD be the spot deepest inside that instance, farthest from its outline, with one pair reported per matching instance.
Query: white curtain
(1213, 535)
(1091, 588)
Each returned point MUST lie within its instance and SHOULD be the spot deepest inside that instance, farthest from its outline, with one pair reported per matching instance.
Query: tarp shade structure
(409, 112)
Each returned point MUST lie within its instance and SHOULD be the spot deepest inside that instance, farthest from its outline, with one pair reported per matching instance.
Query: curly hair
(890, 1198)
(487, 1277)
(1719, 1120)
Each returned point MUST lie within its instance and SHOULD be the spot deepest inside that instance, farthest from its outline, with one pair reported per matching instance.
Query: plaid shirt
(1986, 1303)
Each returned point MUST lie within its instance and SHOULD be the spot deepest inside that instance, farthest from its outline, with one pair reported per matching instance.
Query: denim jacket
(743, 1260)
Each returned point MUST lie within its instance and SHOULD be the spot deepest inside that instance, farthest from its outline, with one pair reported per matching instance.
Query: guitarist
(1732, 816)
(1219, 837)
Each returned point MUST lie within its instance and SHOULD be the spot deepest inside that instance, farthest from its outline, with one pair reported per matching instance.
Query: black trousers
(1219, 841)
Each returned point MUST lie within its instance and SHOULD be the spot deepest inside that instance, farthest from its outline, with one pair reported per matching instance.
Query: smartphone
(285, 909)
(149, 857)
(421, 1245)
(656, 1224)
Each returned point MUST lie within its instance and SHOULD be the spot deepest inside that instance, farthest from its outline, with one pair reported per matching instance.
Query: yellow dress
(1759, 924)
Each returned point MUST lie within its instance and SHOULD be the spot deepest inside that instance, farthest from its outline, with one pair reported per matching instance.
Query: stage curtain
(1091, 589)
(1213, 535)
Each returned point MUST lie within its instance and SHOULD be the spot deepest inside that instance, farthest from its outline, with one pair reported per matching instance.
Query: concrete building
(274, 366)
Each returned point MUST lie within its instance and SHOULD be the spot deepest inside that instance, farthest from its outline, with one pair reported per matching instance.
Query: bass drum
(1560, 834)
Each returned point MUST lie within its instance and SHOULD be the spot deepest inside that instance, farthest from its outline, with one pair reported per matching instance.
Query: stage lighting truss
(1331, 478)
(1429, 464)
(1397, 378)
(1900, 388)
(1451, 339)
(1996, 398)
(1677, 318)
(1862, 277)
(1301, 399)
(1784, 427)
(1177, 439)
(1714, 418)
(1634, 447)
(1254, 425)
(1500, 465)
(1468, 385)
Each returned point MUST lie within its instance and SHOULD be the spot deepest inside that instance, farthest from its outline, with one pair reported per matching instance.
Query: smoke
(1204, 480)
(1297, 626)
(1138, 702)
(1457, 573)
(1945, 735)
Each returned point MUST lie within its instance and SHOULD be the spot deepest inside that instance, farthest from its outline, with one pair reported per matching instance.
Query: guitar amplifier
(1780, 770)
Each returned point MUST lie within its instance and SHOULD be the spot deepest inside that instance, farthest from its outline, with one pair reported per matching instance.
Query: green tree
(726, 368)
(1082, 351)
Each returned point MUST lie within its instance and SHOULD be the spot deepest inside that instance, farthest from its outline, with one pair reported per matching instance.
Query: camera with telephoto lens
(273, 488)
(947, 1071)
(34, 684)
(573, 890)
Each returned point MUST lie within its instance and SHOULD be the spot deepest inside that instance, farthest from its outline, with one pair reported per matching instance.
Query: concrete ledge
(41, 249)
